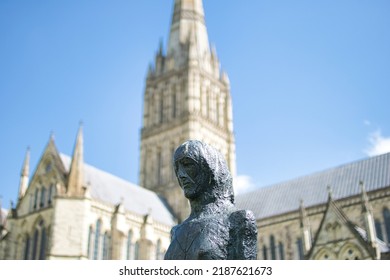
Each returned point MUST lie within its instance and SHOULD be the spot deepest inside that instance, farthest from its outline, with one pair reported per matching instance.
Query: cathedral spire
(188, 20)
(24, 175)
(76, 178)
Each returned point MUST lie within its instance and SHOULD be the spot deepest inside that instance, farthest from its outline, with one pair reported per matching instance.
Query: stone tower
(187, 96)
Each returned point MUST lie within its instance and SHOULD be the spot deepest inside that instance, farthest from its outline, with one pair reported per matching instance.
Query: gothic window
(47, 239)
(42, 249)
(90, 244)
(151, 117)
(51, 194)
(281, 251)
(174, 105)
(204, 103)
(378, 229)
(159, 167)
(39, 242)
(386, 218)
(106, 246)
(300, 248)
(27, 248)
(145, 166)
(136, 251)
(350, 252)
(96, 247)
(265, 253)
(48, 167)
(161, 110)
(35, 244)
(43, 197)
(130, 247)
(325, 254)
(273, 247)
(36, 199)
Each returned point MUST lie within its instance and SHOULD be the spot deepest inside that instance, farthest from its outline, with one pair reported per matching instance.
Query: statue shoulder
(173, 231)
(243, 235)
(243, 220)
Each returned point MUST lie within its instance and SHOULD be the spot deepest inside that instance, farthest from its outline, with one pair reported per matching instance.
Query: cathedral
(68, 209)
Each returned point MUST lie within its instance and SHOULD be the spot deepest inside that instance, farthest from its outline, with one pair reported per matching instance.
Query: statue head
(202, 172)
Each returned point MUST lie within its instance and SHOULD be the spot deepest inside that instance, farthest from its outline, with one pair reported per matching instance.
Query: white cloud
(367, 122)
(378, 144)
(242, 184)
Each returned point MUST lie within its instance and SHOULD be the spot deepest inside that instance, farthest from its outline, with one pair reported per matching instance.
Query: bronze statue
(215, 229)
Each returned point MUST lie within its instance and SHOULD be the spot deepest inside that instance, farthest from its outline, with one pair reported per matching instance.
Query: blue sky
(309, 81)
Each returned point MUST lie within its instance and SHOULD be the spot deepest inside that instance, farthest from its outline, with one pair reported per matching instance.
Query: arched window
(136, 251)
(378, 229)
(39, 242)
(90, 244)
(36, 199)
(281, 251)
(35, 244)
(273, 247)
(130, 247)
(159, 167)
(265, 253)
(386, 218)
(43, 197)
(350, 252)
(96, 248)
(161, 110)
(42, 249)
(106, 246)
(51, 194)
(174, 105)
(27, 248)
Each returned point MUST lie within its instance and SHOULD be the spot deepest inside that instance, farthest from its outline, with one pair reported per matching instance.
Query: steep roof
(110, 189)
(312, 189)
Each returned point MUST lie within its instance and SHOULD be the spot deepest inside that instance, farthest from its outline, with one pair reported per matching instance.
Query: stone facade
(57, 220)
(325, 234)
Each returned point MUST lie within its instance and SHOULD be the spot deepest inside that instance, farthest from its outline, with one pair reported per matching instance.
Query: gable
(338, 238)
(48, 179)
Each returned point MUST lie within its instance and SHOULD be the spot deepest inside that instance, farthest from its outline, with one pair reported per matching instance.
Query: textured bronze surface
(215, 229)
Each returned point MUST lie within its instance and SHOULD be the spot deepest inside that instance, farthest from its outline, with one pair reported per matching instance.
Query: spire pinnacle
(365, 201)
(24, 174)
(188, 17)
(76, 178)
(330, 192)
(304, 221)
(305, 227)
(26, 163)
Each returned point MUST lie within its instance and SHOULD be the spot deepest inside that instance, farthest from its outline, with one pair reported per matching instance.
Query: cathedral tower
(187, 96)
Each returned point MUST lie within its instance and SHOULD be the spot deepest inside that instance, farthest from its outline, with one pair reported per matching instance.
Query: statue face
(190, 176)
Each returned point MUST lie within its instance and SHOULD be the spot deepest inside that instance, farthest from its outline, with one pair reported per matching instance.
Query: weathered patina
(215, 229)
